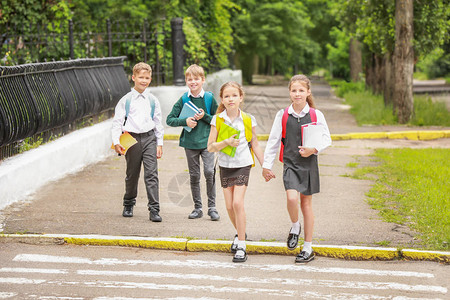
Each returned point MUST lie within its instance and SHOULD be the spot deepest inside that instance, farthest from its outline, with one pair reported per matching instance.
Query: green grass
(370, 109)
(413, 188)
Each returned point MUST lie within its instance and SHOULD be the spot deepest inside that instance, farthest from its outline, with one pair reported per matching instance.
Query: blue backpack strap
(185, 98)
(152, 105)
(127, 110)
(208, 100)
(127, 107)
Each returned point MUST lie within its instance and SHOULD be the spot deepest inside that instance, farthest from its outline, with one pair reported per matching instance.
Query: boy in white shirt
(139, 113)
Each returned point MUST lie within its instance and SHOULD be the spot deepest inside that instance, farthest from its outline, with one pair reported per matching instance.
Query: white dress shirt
(201, 94)
(139, 118)
(243, 156)
(273, 143)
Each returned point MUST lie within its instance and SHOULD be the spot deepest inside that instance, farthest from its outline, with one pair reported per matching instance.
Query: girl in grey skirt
(235, 170)
(300, 169)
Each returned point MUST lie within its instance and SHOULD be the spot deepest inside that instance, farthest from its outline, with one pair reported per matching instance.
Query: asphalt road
(88, 272)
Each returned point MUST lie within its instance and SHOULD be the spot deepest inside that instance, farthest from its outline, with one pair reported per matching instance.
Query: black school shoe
(234, 246)
(127, 211)
(195, 214)
(240, 258)
(292, 240)
(305, 257)
(155, 217)
(214, 215)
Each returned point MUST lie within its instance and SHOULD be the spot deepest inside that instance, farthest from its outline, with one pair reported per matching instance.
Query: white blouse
(243, 156)
(273, 143)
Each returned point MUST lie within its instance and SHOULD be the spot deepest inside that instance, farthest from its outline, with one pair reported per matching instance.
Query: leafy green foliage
(412, 188)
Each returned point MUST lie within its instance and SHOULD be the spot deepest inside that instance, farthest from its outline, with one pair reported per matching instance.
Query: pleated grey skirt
(300, 179)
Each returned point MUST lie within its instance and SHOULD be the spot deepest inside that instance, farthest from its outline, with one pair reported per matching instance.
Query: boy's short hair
(195, 70)
(141, 66)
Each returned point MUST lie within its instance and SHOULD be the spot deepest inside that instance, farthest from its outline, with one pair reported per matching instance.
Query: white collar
(304, 111)
(224, 115)
(201, 94)
(136, 94)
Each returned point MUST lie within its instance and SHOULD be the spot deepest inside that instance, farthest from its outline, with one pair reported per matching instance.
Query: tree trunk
(388, 79)
(378, 87)
(403, 60)
(369, 71)
(355, 57)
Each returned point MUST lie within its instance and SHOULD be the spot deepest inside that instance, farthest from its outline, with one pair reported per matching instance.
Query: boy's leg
(193, 160)
(210, 174)
(134, 159)
(151, 171)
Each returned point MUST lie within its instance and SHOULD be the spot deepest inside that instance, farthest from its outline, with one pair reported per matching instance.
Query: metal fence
(138, 41)
(39, 100)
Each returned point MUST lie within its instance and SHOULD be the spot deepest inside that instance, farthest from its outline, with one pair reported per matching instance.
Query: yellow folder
(224, 133)
(126, 140)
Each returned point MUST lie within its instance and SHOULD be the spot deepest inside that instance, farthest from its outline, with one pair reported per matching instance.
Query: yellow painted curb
(270, 248)
(367, 135)
(431, 135)
(410, 135)
(172, 137)
(126, 241)
(357, 253)
(340, 137)
(411, 254)
(208, 245)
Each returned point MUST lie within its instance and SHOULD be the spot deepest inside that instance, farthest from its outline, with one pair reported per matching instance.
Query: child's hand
(232, 141)
(200, 115)
(267, 174)
(119, 149)
(191, 122)
(306, 152)
(159, 152)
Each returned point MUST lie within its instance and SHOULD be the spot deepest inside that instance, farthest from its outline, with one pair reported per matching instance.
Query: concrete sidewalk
(90, 201)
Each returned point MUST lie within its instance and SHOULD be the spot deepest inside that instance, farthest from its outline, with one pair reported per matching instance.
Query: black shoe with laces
(304, 257)
(195, 214)
(292, 240)
(127, 211)
(155, 217)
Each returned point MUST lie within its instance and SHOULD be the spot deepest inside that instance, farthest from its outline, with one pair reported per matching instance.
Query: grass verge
(413, 188)
(370, 109)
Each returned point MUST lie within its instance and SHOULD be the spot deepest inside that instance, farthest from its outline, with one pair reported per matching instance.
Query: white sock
(235, 240)
(241, 244)
(295, 228)
(307, 247)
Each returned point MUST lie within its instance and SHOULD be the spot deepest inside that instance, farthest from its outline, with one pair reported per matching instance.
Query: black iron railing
(44, 97)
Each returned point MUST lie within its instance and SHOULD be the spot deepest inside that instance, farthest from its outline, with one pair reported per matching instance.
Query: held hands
(119, 149)
(200, 115)
(191, 122)
(232, 141)
(267, 174)
(306, 152)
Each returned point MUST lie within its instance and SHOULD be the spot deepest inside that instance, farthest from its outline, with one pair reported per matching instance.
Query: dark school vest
(306, 169)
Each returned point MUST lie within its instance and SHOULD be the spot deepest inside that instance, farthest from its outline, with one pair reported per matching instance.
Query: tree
(403, 60)
(275, 33)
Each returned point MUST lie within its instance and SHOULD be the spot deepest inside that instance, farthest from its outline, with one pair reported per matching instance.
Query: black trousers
(142, 153)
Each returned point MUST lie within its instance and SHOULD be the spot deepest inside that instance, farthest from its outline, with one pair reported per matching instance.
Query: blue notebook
(189, 110)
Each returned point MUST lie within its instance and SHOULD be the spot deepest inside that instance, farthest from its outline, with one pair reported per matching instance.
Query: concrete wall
(25, 173)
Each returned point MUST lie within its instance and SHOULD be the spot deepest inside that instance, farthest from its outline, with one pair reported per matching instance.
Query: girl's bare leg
(239, 210)
(228, 195)
(308, 216)
(292, 205)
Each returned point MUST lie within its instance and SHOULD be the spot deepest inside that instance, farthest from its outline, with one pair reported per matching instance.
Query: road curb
(181, 244)
(416, 135)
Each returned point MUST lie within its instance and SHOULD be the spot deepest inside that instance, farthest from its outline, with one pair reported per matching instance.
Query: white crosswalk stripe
(213, 278)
